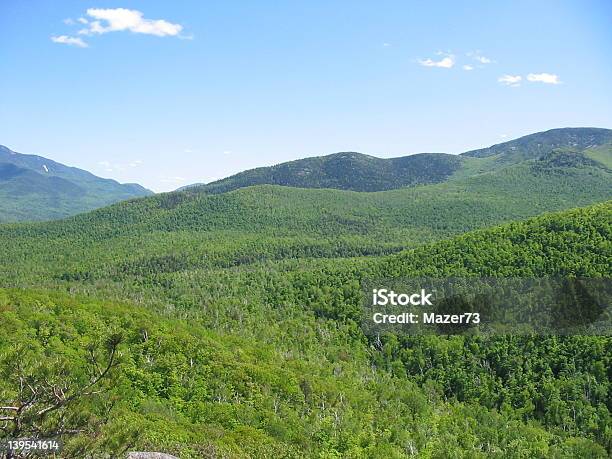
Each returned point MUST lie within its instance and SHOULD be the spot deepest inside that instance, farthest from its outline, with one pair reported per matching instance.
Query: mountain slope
(37, 188)
(359, 172)
(197, 230)
(346, 171)
(535, 145)
(248, 361)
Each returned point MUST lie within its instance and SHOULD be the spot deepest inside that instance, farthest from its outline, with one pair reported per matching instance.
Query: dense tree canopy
(236, 345)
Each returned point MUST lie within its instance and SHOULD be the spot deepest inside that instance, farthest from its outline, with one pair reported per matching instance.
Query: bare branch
(83, 392)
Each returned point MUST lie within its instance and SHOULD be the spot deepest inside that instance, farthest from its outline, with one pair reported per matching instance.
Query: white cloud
(478, 57)
(66, 40)
(83, 21)
(122, 19)
(483, 60)
(447, 62)
(547, 78)
(468, 67)
(510, 80)
(68, 21)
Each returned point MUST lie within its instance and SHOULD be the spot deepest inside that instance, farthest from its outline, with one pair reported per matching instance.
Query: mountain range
(235, 329)
(36, 188)
(238, 318)
(360, 172)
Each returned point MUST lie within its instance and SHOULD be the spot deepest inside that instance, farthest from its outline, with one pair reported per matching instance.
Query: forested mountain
(220, 353)
(36, 188)
(347, 171)
(535, 145)
(359, 172)
(386, 220)
(228, 324)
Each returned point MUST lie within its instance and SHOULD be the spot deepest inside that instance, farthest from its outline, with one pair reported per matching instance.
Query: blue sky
(166, 93)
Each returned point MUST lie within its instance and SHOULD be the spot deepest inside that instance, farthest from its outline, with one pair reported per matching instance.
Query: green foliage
(601, 153)
(200, 393)
(345, 171)
(239, 315)
(236, 345)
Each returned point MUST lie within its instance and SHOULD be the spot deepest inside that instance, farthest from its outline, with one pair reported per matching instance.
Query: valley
(234, 314)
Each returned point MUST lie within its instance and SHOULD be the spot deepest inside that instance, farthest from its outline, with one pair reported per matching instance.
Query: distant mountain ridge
(533, 145)
(347, 171)
(36, 188)
(359, 172)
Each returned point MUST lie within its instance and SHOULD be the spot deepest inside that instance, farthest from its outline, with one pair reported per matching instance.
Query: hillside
(346, 171)
(184, 230)
(235, 319)
(405, 215)
(267, 358)
(36, 188)
(359, 172)
(535, 145)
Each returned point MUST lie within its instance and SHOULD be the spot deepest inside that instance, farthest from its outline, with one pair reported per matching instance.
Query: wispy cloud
(478, 57)
(515, 80)
(547, 78)
(121, 19)
(510, 80)
(482, 59)
(446, 62)
(67, 40)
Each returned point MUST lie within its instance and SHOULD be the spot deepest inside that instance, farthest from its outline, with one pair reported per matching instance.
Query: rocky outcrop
(147, 455)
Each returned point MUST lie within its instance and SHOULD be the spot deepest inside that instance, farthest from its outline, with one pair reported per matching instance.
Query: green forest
(226, 324)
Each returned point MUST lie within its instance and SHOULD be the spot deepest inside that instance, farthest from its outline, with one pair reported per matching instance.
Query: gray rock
(146, 455)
